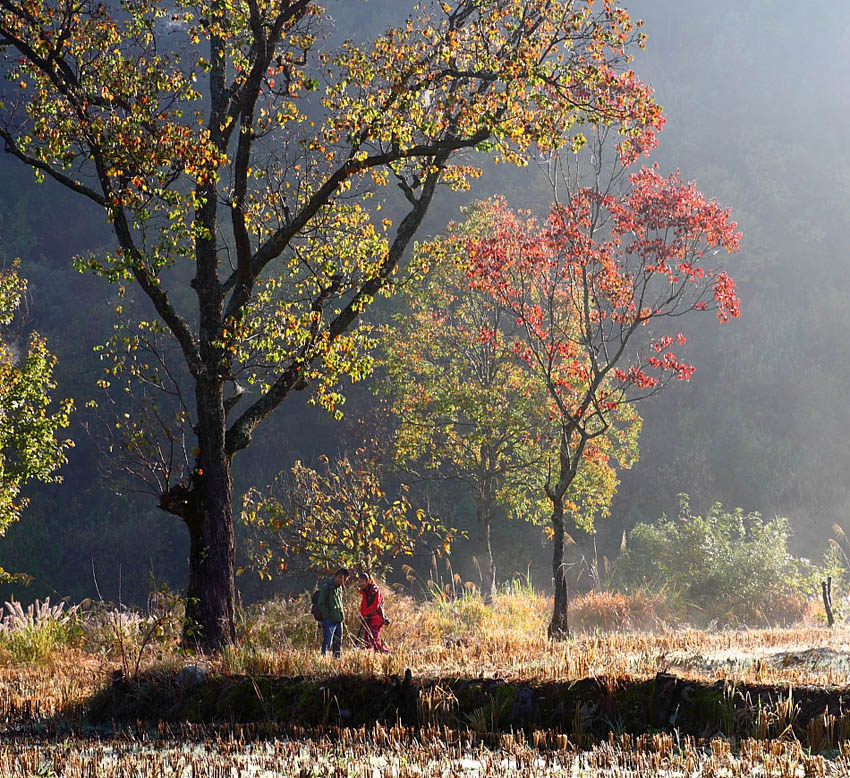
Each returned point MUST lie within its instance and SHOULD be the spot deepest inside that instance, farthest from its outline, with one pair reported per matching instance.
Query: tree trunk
(559, 626)
(488, 573)
(211, 596)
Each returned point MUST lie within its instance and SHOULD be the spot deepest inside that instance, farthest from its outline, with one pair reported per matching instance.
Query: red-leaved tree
(597, 289)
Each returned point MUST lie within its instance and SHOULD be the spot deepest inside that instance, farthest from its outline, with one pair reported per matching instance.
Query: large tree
(597, 289)
(225, 135)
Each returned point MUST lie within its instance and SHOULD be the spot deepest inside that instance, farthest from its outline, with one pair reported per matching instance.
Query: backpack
(314, 606)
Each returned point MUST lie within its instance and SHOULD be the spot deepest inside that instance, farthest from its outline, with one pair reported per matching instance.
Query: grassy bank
(55, 664)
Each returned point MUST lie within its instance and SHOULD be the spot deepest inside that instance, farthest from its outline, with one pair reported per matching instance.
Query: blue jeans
(331, 637)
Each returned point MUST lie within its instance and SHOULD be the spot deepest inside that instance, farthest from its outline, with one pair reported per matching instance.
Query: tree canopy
(230, 137)
(466, 408)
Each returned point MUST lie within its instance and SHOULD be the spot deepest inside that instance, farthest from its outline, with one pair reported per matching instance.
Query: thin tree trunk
(488, 579)
(211, 596)
(559, 626)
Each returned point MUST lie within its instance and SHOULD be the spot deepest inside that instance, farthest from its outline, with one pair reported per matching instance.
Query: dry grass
(60, 684)
(508, 640)
(384, 752)
(437, 639)
(615, 612)
(460, 637)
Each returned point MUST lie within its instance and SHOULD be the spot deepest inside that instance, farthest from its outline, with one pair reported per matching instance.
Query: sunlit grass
(440, 638)
(437, 638)
(462, 636)
(385, 752)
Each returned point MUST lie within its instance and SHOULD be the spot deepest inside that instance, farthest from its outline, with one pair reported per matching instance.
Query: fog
(757, 106)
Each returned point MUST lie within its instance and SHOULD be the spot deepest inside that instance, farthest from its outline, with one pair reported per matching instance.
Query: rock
(192, 675)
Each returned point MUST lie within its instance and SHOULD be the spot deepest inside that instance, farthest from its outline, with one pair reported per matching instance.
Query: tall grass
(33, 634)
(441, 636)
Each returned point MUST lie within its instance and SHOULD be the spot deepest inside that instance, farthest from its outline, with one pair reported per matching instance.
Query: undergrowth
(611, 635)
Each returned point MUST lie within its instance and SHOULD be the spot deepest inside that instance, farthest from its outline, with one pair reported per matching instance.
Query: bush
(732, 567)
(129, 635)
(110, 631)
(462, 616)
(617, 612)
(31, 635)
(282, 623)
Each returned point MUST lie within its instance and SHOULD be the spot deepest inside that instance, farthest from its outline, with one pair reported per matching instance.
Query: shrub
(33, 634)
(110, 631)
(617, 612)
(732, 567)
(462, 616)
(129, 635)
(280, 623)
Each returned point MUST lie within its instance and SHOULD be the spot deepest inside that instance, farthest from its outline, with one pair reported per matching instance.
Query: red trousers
(372, 633)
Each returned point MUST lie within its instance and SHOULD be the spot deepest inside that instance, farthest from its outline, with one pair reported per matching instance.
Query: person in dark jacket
(371, 613)
(330, 606)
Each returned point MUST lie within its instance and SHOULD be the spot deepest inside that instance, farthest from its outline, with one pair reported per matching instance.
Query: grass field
(47, 683)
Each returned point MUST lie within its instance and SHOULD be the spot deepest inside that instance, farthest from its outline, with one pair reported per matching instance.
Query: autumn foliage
(582, 293)
(596, 290)
(230, 137)
(337, 514)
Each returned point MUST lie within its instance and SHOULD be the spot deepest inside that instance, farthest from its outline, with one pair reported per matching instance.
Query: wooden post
(826, 588)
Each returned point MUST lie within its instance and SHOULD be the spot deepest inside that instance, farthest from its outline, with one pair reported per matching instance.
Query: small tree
(465, 408)
(618, 258)
(339, 515)
(29, 447)
(462, 409)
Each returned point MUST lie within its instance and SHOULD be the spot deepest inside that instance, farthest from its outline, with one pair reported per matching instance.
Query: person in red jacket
(372, 612)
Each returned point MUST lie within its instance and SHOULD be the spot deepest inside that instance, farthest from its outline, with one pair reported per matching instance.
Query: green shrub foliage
(729, 566)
